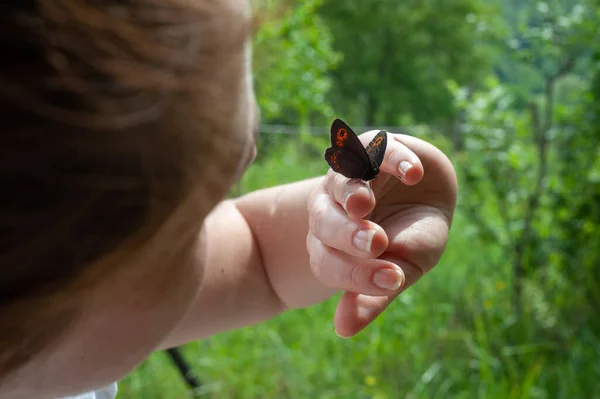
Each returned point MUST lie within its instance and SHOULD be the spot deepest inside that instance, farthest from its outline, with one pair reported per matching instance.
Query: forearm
(255, 262)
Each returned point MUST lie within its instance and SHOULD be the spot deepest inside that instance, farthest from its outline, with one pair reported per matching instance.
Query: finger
(357, 237)
(356, 311)
(354, 195)
(399, 160)
(337, 270)
(402, 162)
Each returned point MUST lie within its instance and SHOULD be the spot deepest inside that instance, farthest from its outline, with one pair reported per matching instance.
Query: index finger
(354, 195)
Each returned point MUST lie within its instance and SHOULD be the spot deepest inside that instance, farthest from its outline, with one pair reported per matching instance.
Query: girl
(124, 125)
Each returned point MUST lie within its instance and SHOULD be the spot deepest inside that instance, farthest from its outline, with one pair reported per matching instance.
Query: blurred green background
(510, 90)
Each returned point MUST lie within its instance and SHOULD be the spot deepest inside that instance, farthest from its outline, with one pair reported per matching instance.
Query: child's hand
(407, 215)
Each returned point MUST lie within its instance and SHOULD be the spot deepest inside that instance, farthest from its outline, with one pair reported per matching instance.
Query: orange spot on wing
(375, 144)
(341, 136)
(333, 158)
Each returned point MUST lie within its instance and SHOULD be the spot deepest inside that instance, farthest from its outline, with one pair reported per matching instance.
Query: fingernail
(404, 167)
(389, 279)
(363, 239)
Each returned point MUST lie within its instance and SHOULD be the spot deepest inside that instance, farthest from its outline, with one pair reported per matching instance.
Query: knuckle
(346, 230)
(354, 276)
(392, 152)
(338, 183)
(340, 179)
(317, 259)
(330, 180)
(317, 217)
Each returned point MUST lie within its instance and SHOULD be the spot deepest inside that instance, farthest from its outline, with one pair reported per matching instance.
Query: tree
(398, 55)
(292, 55)
(539, 148)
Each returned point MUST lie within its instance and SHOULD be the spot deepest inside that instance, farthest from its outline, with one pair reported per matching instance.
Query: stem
(540, 129)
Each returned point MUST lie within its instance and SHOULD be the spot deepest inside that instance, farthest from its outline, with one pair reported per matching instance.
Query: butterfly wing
(348, 156)
(342, 136)
(376, 148)
(345, 162)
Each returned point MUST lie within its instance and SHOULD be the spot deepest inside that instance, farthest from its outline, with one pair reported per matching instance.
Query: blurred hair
(98, 146)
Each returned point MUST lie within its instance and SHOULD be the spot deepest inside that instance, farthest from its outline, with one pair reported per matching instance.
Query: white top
(108, 392)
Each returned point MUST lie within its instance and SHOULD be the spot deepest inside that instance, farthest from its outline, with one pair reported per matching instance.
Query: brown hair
(97, 147)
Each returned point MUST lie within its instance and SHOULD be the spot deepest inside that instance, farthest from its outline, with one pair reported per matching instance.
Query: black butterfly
(348, 156)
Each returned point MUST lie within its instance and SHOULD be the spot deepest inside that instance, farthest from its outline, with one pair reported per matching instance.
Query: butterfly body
(348, 156)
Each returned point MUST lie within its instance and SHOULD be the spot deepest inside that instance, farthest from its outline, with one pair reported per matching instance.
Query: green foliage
(531, 188)
(292, 54)
(286, 153)
(398, 54)
(544, 36)
(579, 215)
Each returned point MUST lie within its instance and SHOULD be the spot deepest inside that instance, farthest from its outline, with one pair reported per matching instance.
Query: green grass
(453, 335)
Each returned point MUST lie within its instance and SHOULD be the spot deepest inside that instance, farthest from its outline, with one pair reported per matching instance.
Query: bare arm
(258, 263)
